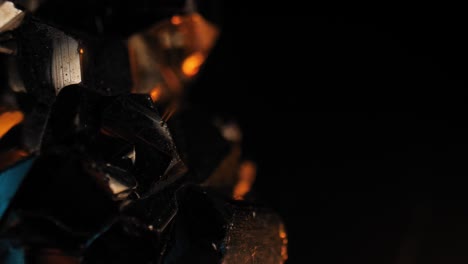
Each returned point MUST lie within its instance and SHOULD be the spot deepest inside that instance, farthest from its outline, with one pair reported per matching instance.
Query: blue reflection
(10, 180)
(10, 254)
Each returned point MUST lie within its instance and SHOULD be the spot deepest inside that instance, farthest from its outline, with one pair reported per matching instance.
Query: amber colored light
(9, 120)
(192, 64)
(284, 242)
(282, 234)
(81, 51)
(241, 189)
(284, 252)
(156, 93)
(176, 20)
(247, 175)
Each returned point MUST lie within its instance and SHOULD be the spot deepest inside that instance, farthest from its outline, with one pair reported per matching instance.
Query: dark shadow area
(358, 125)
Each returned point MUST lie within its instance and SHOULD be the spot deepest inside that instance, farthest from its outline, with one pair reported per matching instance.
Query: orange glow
(9, 120)
(176, 20)
(156, 93)
(200, 33)
(247, 175)
(197, 18)
(192, 64)
(284, 240)
(81, 51)
(284, 252)
(282, 234)
(241, 189)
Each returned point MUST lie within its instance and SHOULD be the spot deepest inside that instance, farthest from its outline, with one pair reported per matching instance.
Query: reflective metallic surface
(66, 67)
(101, 158)
(10, 16)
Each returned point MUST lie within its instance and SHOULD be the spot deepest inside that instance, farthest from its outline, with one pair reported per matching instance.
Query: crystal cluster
(100, 160)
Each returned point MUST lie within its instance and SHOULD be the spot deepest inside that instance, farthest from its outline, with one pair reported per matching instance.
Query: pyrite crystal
(101, 159)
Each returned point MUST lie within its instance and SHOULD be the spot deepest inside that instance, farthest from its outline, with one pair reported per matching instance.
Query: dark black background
(357, 123)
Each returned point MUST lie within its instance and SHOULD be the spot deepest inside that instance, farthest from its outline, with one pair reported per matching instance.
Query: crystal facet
(102, 159)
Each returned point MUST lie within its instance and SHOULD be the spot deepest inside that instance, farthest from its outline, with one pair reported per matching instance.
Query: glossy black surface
(108, 180)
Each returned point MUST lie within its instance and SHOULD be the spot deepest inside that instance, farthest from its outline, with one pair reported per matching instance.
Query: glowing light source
(282, 234)
(81, 51)
(176, 20)
(156, 93)
(9, 120)
(284, 240)
(191, 64)
(247, 175)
